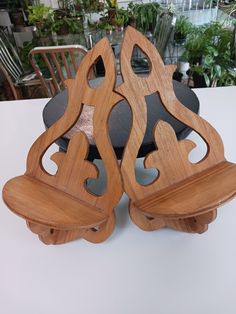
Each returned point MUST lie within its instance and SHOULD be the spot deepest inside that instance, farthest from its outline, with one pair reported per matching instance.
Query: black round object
(121, 118)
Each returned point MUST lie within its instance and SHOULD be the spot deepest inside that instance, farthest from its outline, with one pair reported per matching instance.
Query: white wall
(52, 3)
(4, 18)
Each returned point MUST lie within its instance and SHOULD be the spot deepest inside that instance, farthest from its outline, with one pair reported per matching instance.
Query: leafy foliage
(121, 17)
(183, 27)
(209, 50)
(39, 13)
(91, 5)
(146, 15)
(72, 25)
(111, 3)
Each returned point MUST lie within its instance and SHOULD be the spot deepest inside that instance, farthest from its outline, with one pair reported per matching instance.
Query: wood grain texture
(13, 88)
(62, 63)
(61, 204)
(54, 236)
(96, 234)
(182, 189)
(196, 224)
(184, 196)
(195, 195)
(66, 212)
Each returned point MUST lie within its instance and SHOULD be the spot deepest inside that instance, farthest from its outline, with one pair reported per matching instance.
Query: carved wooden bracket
(184, 195)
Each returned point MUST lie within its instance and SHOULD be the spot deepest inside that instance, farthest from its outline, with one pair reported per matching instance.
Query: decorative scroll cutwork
(59, 208)
(103, 99)
(171, 157)
(134, 88)
(73, 168)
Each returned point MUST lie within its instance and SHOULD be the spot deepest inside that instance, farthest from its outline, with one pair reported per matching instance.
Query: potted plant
(119, 22)
(195, 46)
(90, 6)
(110, 13)
(63, 24)
(182, 28)
(42, 17)
(108, 28)
(146, 15)
(111, 8)
(217, 71)
(75, 26)
(132, 15)
(210, 50)
(78, 5)
(121, 18)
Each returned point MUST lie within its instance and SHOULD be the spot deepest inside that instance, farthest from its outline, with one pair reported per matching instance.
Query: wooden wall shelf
(184, 196)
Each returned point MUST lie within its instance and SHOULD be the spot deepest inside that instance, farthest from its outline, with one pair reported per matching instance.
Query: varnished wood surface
(195, 196)
(133, 268)
(65, 211)
(55, 205)
(96, 234)
(195, 224)
(120, 119)
(134, 89)
(54, 236)
(184, 196)
(103, 99)
(161, 198)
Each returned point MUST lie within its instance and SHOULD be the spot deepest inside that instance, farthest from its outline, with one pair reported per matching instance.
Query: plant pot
(120, 28)
(183, 67)
(198, 80)
(177, 76)
(109, 32)
(179, 38)
(197, 60)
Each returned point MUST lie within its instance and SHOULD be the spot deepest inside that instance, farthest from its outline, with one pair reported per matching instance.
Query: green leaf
(207, 80)
(208, 60)
(217, 70)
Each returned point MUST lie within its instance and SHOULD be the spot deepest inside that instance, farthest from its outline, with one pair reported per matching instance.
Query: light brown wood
(65, 211)
(183, 190)
(54, 236)
(62, 63)
(194, 195)
(196, 224)
(59, 207)
(184, 196)
(14, 91)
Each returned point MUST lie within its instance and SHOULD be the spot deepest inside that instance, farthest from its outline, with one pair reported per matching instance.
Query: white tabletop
(164, 272)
